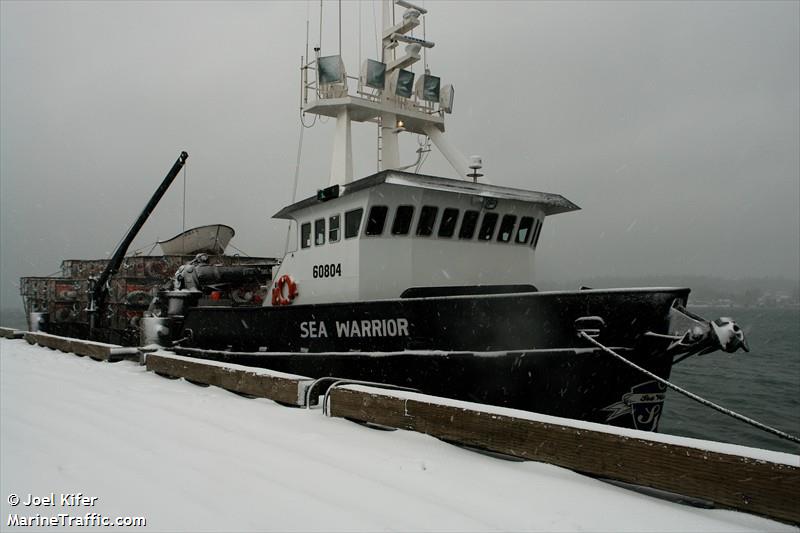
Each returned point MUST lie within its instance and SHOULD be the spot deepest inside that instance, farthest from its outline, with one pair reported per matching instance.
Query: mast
(385, 93)
(390, 145)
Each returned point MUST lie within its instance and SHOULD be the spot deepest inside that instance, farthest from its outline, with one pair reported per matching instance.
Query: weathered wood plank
(96, 350)
(752, 485)
(63, 344)
(276, 386)
(11, 333)
(48, 341)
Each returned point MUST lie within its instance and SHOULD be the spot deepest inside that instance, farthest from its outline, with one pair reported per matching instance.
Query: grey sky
(675, 125)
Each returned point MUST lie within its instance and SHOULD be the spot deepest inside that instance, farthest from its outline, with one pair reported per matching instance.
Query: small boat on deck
(212, 239)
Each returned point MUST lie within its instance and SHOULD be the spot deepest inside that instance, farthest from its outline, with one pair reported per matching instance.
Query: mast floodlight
(427, 88)
(373, 74)
(330, 70)
(446, 96)
(401, 83)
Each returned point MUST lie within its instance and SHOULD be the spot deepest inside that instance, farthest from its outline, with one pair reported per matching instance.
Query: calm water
(763, 384)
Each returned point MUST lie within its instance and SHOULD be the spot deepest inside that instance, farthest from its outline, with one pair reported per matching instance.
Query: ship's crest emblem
(644, 403)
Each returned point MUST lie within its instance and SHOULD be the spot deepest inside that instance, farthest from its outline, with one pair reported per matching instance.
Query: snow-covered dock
(191, 458)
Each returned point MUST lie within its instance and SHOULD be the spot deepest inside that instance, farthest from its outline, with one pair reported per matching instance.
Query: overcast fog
(675, 126)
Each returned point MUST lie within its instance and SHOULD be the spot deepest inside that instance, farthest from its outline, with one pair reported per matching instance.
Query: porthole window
(402, 220)
(506, 228)
(524, 230)
(487, 226)
(352, 222)
(305, 235)
(319, 232)
(427, 219)
(333, 228)
(376, 219)
(468, 225)
(449, 220)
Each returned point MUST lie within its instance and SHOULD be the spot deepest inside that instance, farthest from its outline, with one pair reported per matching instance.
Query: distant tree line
(746, 291)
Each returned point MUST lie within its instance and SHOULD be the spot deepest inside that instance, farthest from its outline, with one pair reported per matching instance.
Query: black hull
(522, 321)
(574, 384)
(519, 350)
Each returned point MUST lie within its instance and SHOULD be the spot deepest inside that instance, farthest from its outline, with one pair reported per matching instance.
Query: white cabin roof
(550, 203)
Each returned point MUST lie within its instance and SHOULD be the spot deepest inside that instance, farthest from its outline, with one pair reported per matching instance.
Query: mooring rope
(693, 396)
(240, 251)
(296, 180)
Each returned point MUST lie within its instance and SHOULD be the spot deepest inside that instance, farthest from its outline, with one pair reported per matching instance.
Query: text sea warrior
(386, 327)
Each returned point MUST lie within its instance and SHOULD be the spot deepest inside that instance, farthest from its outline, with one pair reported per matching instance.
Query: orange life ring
(277, 292)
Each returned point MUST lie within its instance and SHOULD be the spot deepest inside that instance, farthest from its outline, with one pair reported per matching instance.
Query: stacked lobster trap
(64, 299)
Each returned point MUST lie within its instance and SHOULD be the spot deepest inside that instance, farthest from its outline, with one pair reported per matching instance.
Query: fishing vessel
(408, 279)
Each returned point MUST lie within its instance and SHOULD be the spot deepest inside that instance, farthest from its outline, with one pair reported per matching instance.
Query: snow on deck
(204, 459)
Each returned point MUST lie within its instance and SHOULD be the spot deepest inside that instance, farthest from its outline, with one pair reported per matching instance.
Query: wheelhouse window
(319, 232)
(468, 225)
(402, 220)
(536, 233)
(506, 228)
(333, 228)
(427, 219)
(305, 235)
(487, 226)
(376, 219)
(524, 230)
(449, 220)
(352, 222)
